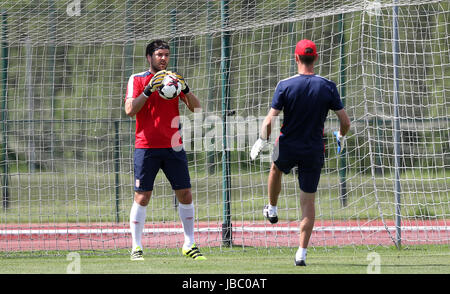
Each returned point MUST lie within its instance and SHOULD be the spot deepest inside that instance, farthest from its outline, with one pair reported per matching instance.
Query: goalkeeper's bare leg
(307, 204)
(274, 188)
(274, 184)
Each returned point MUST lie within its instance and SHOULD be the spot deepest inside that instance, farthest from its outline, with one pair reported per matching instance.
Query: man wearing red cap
(305, 100)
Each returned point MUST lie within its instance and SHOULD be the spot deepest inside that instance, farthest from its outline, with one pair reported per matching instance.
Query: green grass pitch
(423, 259)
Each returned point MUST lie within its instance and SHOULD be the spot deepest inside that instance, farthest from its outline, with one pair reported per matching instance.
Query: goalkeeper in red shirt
(159, 146)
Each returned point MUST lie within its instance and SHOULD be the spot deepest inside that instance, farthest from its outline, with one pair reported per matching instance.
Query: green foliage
(85, 80)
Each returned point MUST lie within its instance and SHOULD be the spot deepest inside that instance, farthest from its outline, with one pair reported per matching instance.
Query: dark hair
(155, 45)
(307, 59)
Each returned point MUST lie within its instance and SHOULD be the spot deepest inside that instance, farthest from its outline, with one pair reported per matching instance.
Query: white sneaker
(270, 215)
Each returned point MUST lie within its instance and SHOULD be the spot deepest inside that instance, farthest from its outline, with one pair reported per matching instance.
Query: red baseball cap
(302, 45)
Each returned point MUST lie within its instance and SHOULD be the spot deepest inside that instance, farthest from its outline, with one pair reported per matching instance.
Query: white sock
(272, 210)
(301, 254)
(137, 222)
(186, 212)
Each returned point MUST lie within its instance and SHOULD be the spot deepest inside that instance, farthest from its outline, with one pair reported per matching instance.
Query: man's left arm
(191, 101)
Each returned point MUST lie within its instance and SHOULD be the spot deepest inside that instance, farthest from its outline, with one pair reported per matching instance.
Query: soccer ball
(170, 88)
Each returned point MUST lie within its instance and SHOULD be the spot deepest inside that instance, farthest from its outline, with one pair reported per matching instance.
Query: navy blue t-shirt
(305, 101)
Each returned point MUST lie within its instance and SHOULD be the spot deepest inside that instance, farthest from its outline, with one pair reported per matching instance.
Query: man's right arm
(134, 100)
(264, 134)
(134, 105)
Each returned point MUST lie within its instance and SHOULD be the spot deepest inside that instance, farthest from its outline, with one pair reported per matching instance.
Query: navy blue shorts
(148, 162)
(309, 169)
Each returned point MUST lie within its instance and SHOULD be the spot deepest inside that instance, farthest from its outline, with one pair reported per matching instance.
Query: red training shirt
(158, 121)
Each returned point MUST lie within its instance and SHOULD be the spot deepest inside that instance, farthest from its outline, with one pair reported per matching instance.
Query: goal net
(66, 153)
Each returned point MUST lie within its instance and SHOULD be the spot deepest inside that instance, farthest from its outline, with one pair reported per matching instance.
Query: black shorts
(147, 163)
(309, 169)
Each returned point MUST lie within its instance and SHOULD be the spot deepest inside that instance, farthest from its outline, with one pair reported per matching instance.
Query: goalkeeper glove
(257, 147)
(184, 86)
(155, 83)
(340, 139)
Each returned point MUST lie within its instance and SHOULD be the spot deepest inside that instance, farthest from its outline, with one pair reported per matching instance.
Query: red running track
(99, 236)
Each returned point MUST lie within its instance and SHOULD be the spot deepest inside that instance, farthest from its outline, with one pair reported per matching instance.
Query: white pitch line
(215, 230)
